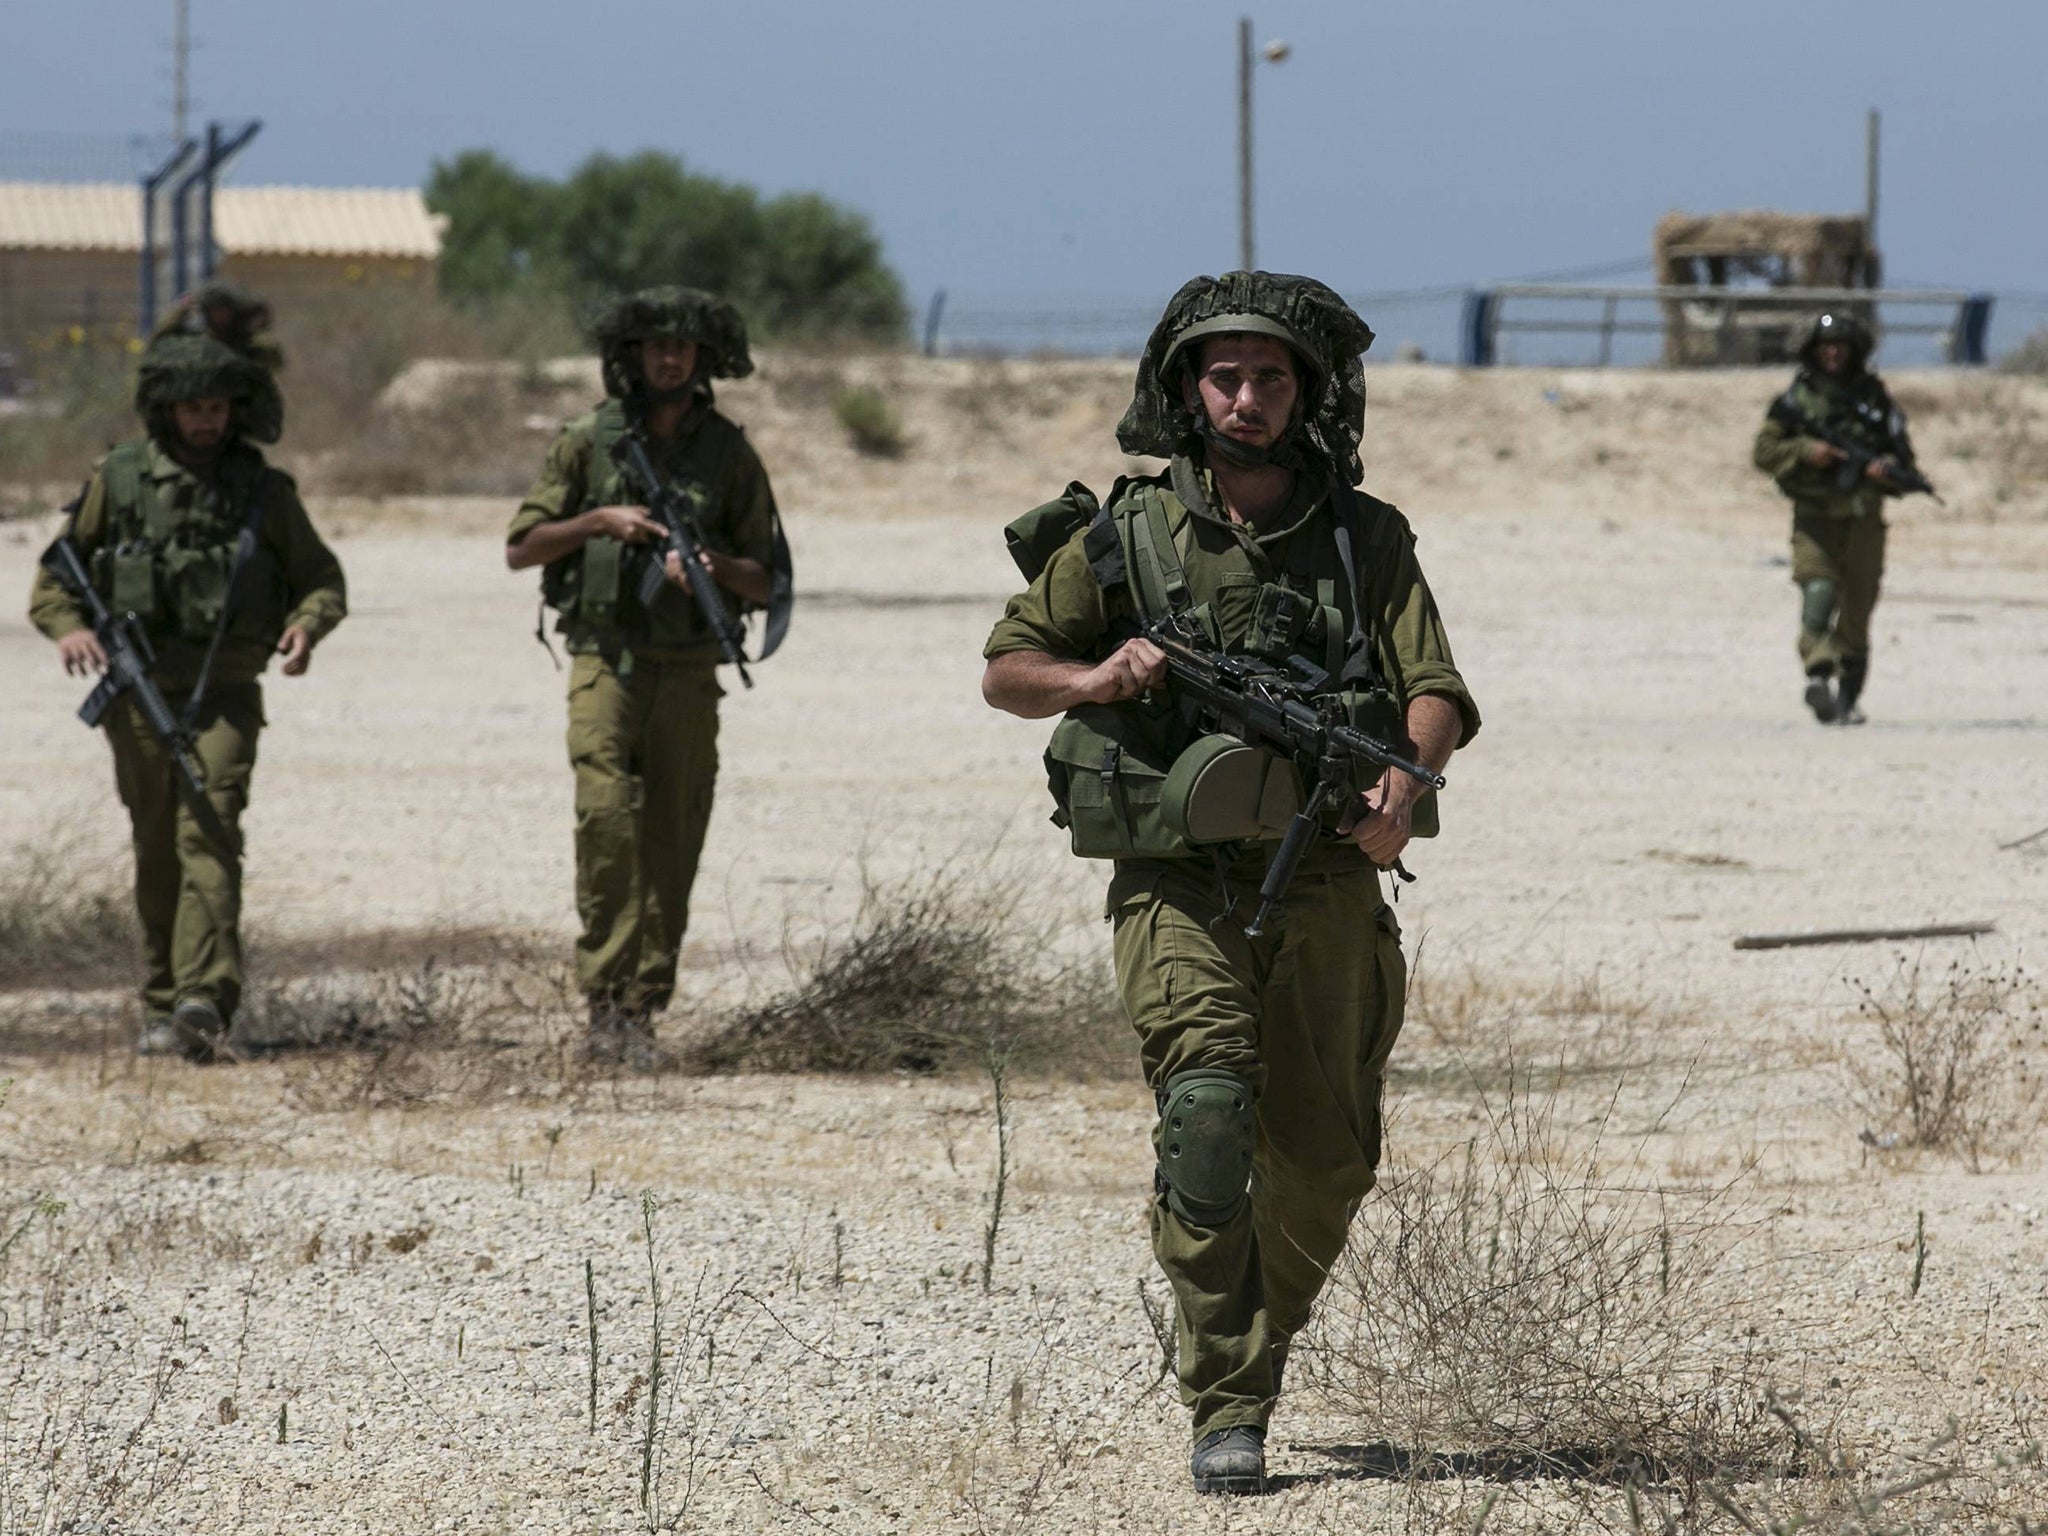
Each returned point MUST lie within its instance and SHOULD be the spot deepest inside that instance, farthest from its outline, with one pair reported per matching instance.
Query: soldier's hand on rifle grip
(1822, 455)
(1382, 832)
(81, 653)
(1878, 471)
(1136, 667)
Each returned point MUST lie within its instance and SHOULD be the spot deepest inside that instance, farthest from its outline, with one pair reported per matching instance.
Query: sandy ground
(234, 1247)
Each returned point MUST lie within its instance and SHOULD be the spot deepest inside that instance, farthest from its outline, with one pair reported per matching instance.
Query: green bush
(798, 265)
(871, 422)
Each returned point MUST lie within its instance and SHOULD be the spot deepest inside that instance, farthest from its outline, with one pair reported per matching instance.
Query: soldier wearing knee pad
(1267, 1054)
(643, 689)
(206, 549)
(1835, 442)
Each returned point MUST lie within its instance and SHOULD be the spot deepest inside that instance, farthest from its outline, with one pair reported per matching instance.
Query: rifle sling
(245, 551)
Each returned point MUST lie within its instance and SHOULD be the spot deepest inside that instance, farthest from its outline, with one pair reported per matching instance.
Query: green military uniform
(643, 691)
(1303, 1018)
(159, 538)
(1838, 533)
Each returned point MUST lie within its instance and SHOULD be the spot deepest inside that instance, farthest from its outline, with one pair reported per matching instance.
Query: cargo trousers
(644, 747)
(188, 893)
(1847, 552)
(1307, 1014)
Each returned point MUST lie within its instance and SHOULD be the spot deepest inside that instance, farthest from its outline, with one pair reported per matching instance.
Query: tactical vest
(1861, 411)
(169, 558)
(595, 589)
(1111, 768)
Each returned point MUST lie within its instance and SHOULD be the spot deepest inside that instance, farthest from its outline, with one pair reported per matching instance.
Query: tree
(797, 265)
(502, 224)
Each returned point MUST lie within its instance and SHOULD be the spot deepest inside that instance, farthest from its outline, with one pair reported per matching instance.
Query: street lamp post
(1273, 53)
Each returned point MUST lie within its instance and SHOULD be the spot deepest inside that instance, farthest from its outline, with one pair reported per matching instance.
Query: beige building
(71, 252)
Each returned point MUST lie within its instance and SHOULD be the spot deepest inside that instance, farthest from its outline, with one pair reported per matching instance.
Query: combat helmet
(248, 314)
(683, 314)
(182, 366)
(1838, 325)
(1325, 334)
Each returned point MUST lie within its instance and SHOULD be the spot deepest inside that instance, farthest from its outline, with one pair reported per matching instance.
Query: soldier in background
(158, 526)
(1836, 414)
(643, 685)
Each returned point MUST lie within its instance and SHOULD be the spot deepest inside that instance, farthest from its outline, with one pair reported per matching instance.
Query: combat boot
(201, 1032)
(621, 1037)
(1855, 672)
(159, 1037)
(1230, 1460)
(1820, 697)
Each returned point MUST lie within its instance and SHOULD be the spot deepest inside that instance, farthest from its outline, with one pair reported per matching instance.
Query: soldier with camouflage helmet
(643, 689)
(1838, 530)
(1266, 1055)
(210, 548)
(237, 318)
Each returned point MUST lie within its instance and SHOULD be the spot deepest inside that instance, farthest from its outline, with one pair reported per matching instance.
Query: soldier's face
(1248, 387)
(667, 364)
(1831, 356)
(201, 423)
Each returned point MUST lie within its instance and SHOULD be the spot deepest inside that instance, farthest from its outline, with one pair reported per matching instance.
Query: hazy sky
(1069, 150)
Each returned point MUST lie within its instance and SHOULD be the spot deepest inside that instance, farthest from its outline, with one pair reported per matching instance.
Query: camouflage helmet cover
(182, 366)
(1838, 325)
(683, 314)
(1324, 332)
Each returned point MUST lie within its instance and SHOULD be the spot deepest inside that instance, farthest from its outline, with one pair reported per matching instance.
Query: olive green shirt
(1780, 448)
(1065, 613)
(315, 595)
(708, 450)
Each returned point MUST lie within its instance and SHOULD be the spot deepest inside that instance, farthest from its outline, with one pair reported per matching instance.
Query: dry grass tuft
(871, 422)
(1531, 1305)
(66, 917)
(932, 975)
(1959, 1059)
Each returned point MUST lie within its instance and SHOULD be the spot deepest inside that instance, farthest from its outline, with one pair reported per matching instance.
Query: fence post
(931, 322)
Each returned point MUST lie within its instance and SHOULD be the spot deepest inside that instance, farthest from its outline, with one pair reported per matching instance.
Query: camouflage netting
(187, 367)
(1324, 332)
(1820, 250)
(684, 314)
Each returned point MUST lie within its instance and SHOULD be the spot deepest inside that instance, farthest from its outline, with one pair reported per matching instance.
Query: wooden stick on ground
(2021, 842)
(1862, 935)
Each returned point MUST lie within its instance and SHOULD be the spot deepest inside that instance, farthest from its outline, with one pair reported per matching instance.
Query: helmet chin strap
(1283, 453)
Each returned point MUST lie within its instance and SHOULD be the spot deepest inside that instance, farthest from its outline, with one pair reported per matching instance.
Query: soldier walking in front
(1835, 442)
(1266, 1052)
(206, 552)
(643, 686)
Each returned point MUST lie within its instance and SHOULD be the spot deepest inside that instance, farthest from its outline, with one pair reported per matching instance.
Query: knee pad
(1817, 604)
(1206, 1138)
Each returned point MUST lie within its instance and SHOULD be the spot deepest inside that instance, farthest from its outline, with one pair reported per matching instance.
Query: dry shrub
(1530, 1305)
(66, 917)
(1958, 1058)
(871, 422)
(430, 1033)
(933, 973)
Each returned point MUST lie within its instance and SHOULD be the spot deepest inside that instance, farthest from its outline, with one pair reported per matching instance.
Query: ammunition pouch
(1106, 766)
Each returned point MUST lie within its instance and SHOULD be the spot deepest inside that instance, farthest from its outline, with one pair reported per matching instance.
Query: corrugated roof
(247, 221)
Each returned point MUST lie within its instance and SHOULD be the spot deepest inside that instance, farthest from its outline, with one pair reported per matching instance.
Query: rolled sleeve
(559, 488)
(1418, 649)
(1061, 614)
(51, 606)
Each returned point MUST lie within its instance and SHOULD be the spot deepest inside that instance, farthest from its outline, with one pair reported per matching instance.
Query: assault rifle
(129, 658)
(1856, 458)
(685, 540)
(1286, 710)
